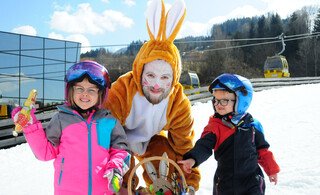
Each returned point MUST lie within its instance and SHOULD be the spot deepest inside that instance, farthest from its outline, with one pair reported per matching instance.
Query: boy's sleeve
(202, 149)
(265, 156)
(268, 162)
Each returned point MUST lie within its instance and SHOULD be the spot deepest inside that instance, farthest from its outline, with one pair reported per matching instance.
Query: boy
(237, 140)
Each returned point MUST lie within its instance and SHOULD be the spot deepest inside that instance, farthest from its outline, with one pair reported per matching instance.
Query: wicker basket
(159, 158)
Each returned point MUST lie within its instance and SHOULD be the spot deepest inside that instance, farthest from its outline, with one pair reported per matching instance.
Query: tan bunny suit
(173, 132)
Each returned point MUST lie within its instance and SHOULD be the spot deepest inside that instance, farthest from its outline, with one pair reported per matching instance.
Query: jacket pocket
(61, 171)
(104, 130)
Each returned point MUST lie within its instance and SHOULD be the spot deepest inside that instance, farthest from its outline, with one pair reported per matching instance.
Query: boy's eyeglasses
(222, 102)
(81, 90)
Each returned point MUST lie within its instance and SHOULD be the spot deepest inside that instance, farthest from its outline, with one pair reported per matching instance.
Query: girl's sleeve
(119, 159)
(36, 137)
(119, 151)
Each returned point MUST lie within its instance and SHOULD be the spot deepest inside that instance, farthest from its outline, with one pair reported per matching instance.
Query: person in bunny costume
(149, 100)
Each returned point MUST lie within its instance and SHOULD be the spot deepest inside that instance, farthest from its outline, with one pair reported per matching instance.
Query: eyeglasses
(222, 102)
(81, 90)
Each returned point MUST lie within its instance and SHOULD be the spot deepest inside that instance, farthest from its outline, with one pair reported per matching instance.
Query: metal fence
(197, 95)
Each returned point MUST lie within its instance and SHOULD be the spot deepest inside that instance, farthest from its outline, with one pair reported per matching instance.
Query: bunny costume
(166, 126)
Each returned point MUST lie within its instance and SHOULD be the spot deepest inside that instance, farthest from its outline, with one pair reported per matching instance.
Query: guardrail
(203, 95)
(196, 95)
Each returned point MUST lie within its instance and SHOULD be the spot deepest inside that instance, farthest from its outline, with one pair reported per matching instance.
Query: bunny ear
(155, 19)
(164, 167)
(175, 17)
(151, 171)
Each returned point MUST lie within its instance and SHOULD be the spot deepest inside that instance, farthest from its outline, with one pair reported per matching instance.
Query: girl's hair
(69, 99)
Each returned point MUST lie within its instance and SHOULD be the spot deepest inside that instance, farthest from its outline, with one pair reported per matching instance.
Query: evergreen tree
(252, 31)
(316, 27)
(316, 44)
(262, 27)
(275, 26)
(133, 48)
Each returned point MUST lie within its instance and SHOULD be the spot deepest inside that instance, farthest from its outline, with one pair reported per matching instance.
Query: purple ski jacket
(82, 150)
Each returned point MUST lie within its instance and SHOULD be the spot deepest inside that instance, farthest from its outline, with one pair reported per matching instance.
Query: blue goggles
(228, 82)
(97, 73)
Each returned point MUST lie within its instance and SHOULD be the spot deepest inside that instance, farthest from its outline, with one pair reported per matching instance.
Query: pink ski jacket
(82, 150)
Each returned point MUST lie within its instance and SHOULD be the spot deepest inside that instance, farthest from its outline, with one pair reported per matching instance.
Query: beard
(153, 98)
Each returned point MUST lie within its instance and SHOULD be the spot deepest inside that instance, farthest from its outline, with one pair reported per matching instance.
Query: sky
(119, 22)
(289, 116)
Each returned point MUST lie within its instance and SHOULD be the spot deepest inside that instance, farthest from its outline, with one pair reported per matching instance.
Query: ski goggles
(228, 82)
(97, 73)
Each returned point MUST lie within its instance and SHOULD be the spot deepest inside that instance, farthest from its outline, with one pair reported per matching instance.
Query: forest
(238, 46)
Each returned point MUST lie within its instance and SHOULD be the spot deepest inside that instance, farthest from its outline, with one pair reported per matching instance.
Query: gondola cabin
(276, 67)
(189, 80)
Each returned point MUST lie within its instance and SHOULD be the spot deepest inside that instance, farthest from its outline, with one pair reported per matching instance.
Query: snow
(289, 116)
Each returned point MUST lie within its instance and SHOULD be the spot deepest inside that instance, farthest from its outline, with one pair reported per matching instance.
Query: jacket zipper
(89, 159)
(217, 185)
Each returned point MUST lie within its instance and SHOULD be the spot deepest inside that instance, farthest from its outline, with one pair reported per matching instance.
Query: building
(31, 62)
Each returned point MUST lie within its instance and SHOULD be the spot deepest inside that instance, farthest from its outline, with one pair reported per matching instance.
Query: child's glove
(114, 179)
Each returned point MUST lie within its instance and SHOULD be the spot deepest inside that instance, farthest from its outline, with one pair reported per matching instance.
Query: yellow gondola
(277, 65)
(189, 80)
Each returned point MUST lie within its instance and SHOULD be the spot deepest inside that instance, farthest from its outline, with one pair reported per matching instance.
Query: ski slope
(290, 117)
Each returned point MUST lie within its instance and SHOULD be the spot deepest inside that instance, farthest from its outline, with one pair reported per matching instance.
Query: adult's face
(157, 79)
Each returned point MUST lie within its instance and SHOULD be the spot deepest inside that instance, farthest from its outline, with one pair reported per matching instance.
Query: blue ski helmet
(96, 73)
(237, 84)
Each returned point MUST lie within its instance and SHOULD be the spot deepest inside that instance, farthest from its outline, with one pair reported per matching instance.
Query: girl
(88, 144)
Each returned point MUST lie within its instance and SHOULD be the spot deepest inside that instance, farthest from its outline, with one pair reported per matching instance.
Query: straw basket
(183, 185)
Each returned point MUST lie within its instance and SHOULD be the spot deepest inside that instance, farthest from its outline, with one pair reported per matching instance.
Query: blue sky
(114, 22)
